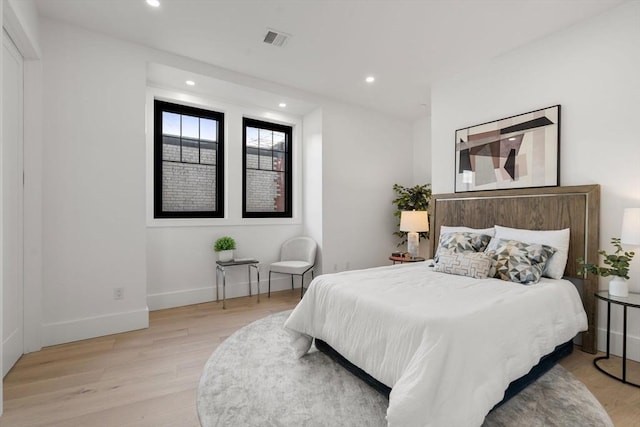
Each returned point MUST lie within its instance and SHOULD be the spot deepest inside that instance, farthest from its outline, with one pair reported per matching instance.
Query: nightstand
(633, 301)
(403, 259)
(220, 268)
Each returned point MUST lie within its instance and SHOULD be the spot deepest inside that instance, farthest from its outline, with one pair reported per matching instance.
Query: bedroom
(92, 220)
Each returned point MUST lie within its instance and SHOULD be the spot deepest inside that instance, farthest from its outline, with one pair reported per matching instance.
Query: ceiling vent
(276, 38)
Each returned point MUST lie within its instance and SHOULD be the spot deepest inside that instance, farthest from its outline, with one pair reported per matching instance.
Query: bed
(448, 346)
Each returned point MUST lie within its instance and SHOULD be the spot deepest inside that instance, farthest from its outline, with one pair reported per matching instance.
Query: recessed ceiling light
(282, 105)
(370, 79)
(153, 3)
(512, 138)
(190, 83)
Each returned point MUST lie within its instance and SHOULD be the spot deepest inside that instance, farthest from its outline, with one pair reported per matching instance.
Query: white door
(12, 202)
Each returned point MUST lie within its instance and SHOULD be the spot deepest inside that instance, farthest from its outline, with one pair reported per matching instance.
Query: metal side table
(633, 300)
(222, 265)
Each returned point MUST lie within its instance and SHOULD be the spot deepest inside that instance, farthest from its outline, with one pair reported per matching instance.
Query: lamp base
(413, 244)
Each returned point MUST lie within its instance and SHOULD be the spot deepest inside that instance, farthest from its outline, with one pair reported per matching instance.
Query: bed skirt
(515, 387)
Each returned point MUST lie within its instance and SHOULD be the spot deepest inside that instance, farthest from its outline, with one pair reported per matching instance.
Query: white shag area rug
(253, 379)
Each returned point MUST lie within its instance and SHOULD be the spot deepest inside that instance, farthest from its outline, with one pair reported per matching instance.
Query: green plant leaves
(408, 199)
(618, 262)
(224, 243)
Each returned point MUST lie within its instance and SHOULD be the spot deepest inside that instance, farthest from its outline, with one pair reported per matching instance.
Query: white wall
(312, 178)
(363, 155)
(94, 214)
(180, 258)
(22, 23)
(422, 166)
(592, 71)
(97, 231)
(422, 151)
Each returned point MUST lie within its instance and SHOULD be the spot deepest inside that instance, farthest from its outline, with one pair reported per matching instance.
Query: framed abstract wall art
(515, 152)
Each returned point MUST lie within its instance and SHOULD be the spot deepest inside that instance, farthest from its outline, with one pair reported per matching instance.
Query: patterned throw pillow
(462, 241)
(470, 264)
(520, 262)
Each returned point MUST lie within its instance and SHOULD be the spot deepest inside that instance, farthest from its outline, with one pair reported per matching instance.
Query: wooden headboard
(549, 208)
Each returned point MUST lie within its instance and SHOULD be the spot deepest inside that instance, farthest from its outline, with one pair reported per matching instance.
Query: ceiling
(335, 44)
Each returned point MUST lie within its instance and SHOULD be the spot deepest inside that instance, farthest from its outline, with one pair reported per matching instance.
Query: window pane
(279, 163)
(267, 180)
(252, 158)
(265, 160)
(171, 148)
(252, 137)
(190, 151)
(170, 123)
(189, 160)
(188, 187)
(208, 130)
(266, 139)
(190, 127)
(279, 139)
(265, 191)
(208, 153)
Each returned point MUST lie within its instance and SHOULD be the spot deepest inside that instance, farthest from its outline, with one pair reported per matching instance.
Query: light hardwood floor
(149, 377)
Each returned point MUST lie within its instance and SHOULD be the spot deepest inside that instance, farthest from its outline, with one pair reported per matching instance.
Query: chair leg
(292, 282)
(269, 294)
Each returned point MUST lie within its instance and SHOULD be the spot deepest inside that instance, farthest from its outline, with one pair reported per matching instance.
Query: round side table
(633, 301)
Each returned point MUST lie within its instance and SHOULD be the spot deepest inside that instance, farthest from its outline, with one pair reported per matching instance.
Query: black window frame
(164, 106)
(288, 131)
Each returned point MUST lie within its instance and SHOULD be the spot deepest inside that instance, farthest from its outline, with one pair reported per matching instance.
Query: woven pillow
(520, 262)
(462, 241)
(470, 264)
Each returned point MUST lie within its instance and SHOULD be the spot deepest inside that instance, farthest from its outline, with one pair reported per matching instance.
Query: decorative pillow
(462, 241)
(558, 239)
(520, 262)
(445, 229)
(470, 264)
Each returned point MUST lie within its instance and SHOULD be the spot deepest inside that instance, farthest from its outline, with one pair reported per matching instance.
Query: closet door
(12, 205)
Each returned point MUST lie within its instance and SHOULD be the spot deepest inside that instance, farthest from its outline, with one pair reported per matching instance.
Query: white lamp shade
(416, 221)
(631, 226)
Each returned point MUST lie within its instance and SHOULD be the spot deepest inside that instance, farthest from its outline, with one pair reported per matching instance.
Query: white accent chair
(297, 257)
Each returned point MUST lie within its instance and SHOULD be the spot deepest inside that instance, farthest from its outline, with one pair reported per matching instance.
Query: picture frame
(520, 151)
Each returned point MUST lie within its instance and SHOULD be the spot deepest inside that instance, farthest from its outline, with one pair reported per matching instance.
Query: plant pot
(618, 287)
(225, 255)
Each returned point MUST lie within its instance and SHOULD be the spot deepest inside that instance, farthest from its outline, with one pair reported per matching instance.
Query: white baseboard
(633, 344)
(91, 327)
(12, 350)
(234, 289)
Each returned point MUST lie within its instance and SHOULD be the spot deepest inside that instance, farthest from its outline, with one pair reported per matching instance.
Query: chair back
(299, 249)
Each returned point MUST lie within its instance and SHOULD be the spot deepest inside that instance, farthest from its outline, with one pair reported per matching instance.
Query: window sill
(219, 222)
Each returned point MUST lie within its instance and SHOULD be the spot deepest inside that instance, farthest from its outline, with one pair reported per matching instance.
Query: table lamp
(414, 222)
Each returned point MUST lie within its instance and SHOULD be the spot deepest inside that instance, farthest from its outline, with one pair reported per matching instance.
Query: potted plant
(224, 246)
(618, 263)
(411, 198)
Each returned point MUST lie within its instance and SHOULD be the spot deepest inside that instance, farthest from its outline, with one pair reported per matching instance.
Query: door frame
(16, 338)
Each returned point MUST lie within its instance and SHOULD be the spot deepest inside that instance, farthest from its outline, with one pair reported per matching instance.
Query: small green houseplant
(409, 199)
(224, 246)
(618, 267)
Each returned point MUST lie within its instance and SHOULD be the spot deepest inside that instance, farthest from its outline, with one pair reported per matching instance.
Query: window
(267, 169)
(188, 162)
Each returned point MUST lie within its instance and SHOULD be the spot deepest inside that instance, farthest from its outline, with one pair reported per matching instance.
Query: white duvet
(447, 345)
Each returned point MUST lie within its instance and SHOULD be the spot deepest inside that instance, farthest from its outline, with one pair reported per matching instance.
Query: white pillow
(557, 239)
(444, 229)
